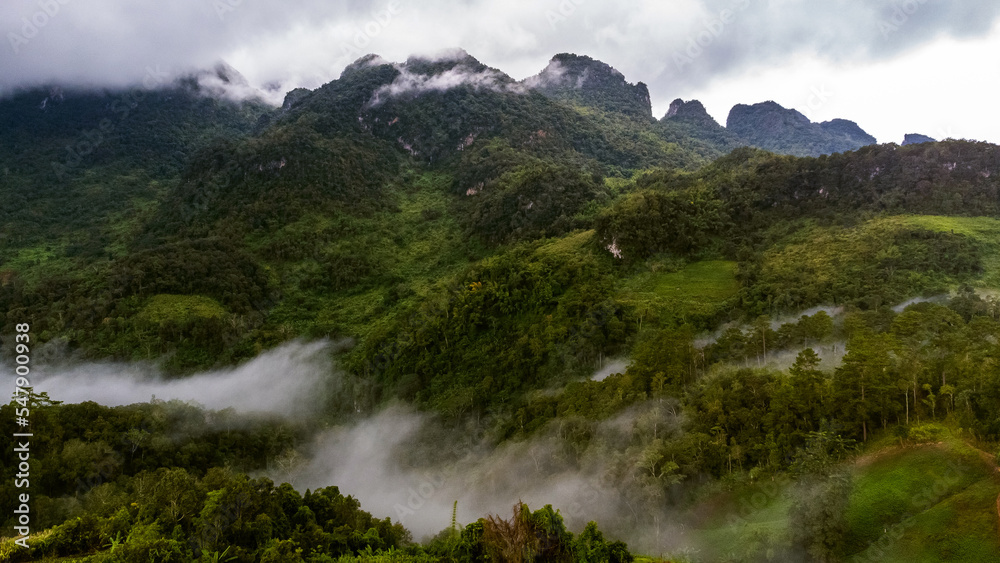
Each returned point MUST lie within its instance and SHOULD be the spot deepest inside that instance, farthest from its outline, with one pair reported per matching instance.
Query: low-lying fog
(407, 465)
(284, 381)
(401, 463)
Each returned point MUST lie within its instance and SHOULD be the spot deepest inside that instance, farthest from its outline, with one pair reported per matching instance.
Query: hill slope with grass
(649, 308)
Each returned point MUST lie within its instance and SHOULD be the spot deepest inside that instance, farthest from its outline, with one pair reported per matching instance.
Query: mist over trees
(480, 248)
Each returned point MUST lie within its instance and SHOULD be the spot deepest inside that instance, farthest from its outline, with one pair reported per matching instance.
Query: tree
(819, 514)
(590, 547)
(136, 438)
(865, 383)
(665, 359)
(511, 541)
(819, 509)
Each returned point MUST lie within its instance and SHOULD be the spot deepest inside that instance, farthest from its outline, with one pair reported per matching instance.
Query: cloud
(290, 381)
(224, 81)
(409, 83)
(400, 462)
(734, 34)
(613, 366)
(719, 51)
(410, 467)
(555, 75)
(684, 42)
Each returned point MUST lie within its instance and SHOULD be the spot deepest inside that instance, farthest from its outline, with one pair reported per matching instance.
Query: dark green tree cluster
(233, 189)
(172, 515)
(79, 160)
(647, 222)
(948, 178)
(750, 344)
(525, 318)
(80, 446)
(212, 267)
(146, 481)
(526, 537)
(872, 265)
(532, 202)
(900, 370)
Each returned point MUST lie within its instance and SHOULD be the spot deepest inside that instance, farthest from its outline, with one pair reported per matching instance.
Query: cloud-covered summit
(294, 43)
(677, 48)
(582, 78)
(450, 69)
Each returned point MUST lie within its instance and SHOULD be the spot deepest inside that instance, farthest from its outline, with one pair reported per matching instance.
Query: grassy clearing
(896, 487)
(972, 512)
(984, 230)
(571, 244)
(30, 257)
(750, 528)
(41, 262)
(181, 309)
(962, 527)
(932, 502)
(927, 503)
(696, 290)
(740, 522)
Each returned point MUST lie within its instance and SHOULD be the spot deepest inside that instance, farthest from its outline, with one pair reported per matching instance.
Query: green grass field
(180, 309)
(699, 289)
(960, 528)
(984, 230)
(899, 487)
(927, 503)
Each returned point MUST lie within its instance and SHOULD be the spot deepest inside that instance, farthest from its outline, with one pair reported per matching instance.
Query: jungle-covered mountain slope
(488, 245)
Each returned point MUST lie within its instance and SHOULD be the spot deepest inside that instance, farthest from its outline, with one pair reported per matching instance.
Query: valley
(364, 325)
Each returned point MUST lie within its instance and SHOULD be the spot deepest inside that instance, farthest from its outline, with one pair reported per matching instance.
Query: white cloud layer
(287, 381)
(895, 66)
(411, 84)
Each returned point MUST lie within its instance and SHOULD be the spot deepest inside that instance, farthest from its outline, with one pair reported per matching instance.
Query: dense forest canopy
(662, 307)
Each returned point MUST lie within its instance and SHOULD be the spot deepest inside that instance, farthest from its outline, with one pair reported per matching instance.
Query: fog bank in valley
(290, 380)
(408, 466)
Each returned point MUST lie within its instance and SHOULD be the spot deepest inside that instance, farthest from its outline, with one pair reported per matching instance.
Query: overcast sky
(894, 66)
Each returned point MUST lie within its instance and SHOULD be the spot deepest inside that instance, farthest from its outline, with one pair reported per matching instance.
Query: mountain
(916, 138)
(772, 127)
(692, 112)
(849, 132)
(689, 124)
(83, 159)
(564, 286)
(259, 209)
(437, 108)
(589, 82)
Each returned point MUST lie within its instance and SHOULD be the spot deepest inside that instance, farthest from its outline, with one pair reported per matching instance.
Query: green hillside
(917, 502)
(538, 268)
